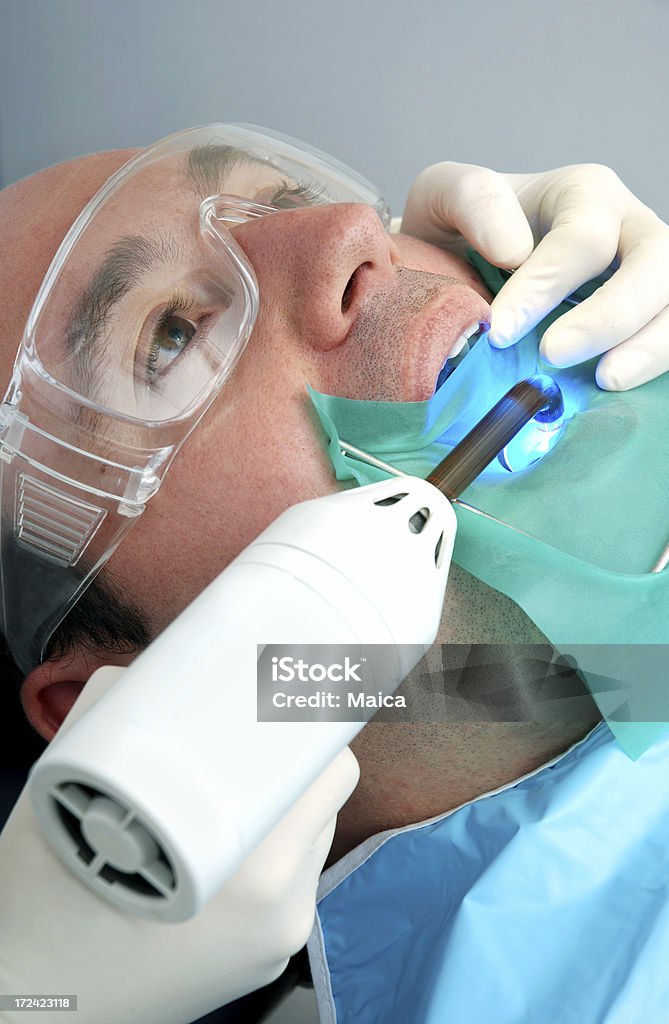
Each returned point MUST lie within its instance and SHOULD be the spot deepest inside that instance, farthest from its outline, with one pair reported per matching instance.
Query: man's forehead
(42, 207)
(37, 212)
(35, 215)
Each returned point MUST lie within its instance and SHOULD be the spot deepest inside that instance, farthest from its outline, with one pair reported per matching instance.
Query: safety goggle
(144, 312)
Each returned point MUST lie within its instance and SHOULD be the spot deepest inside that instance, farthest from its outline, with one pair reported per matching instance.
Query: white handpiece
(58, 938)
(160, 791)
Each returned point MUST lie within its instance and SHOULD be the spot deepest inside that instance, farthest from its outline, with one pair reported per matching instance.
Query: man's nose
(316, 266)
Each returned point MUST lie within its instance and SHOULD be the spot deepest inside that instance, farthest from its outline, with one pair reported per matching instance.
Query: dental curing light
(540, 434)
(158, 792)
(533, 405)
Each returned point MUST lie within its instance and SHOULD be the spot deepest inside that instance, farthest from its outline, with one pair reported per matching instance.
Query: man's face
(344, 307)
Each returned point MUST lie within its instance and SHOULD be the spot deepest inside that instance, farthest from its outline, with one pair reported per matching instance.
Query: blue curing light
(538, 436)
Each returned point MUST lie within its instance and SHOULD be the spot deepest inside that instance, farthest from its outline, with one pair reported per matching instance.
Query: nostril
(348, 294)
(349, 290)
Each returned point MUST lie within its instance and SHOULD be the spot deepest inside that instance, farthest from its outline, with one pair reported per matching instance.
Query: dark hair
(103, 620)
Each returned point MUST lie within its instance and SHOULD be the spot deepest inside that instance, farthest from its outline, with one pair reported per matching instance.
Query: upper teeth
(463, 339)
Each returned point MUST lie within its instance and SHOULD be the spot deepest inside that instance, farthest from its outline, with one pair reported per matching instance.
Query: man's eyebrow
(133, 256)
(207, 166)
(129, 259)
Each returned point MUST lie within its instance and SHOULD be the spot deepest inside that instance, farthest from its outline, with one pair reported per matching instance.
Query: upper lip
(421, 341)
(438, 329)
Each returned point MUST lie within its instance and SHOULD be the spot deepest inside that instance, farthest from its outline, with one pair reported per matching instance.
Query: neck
(413, 770)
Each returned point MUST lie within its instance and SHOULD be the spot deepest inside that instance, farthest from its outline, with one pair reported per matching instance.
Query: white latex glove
(581, 218)
(56, 936)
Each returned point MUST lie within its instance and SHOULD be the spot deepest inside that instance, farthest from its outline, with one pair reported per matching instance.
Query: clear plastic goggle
(145, 310)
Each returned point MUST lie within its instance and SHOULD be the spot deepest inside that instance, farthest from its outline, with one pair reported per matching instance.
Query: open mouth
(459, 350)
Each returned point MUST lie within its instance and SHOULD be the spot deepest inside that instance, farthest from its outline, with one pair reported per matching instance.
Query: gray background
(387, 85)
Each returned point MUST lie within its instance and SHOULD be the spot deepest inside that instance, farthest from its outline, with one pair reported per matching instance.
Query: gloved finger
(638, 359)
(321, 802)
(617, 311)
(449, 201)
(573, 251)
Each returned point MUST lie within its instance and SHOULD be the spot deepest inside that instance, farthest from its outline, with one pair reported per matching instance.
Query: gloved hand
(56, 936)
(581, 218)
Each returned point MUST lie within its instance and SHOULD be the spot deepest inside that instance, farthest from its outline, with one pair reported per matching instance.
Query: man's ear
(51, 689)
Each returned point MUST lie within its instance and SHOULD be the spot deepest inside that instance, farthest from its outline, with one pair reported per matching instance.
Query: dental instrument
(372, 460)
(537, 398)
(153, 798)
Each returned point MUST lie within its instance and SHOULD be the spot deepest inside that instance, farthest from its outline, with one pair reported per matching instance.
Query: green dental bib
(584, 526)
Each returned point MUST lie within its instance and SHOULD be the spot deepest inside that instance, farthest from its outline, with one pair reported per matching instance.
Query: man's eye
(170, 337)
(288, 196)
